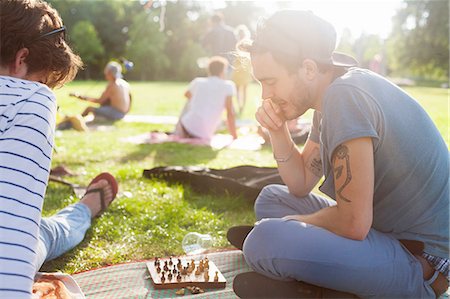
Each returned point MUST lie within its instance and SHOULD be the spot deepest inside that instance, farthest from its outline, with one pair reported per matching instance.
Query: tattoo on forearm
(341, 164)
(314, 163)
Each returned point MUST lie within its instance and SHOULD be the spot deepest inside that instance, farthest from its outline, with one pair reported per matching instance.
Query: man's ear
(310, 69)
(18, 68)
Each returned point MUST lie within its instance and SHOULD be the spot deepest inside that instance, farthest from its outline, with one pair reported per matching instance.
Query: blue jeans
(378, 266)
(62, 232)
(109, 112)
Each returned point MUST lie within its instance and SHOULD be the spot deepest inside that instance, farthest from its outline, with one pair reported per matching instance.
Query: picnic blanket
(251, 142)
(171, 120)
(151, 119)
(130, 280)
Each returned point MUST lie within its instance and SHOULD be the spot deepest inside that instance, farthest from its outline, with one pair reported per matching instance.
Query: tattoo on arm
(341, 165)
(314, 163)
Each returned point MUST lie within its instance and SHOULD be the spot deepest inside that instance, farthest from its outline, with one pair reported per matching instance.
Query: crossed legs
(290, 250)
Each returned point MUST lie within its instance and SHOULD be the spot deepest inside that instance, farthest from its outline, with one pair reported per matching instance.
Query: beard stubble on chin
(298, 103)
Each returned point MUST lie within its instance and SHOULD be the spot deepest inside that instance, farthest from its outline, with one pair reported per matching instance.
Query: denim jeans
(378, 266)
(62, 232)
(109, 112)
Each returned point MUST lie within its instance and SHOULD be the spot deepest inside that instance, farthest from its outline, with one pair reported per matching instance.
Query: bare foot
(93, 199)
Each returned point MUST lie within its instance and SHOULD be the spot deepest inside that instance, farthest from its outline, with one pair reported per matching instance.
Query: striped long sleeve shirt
(27, 124)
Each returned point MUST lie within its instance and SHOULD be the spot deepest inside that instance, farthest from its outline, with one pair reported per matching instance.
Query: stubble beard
(301, 100)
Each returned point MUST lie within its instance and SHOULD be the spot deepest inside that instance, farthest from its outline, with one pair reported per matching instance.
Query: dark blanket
(241, 180)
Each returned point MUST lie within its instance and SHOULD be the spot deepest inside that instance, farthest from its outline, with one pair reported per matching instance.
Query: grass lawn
(153, 217)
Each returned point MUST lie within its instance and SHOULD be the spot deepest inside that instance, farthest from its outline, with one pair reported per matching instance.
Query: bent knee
(262, 242)
(268, 195)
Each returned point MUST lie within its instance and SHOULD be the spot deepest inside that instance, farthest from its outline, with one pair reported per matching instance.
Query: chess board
(173, 273)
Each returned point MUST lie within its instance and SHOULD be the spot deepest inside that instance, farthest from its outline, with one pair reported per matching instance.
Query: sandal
(112, 182)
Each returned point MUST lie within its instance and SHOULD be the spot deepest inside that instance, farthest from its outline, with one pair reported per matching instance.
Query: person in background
(34, 57)
(242, 69)
(115, 101)
(220, 39)
(207, 99)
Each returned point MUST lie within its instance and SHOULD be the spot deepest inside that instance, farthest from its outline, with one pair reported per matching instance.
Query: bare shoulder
(122, 84)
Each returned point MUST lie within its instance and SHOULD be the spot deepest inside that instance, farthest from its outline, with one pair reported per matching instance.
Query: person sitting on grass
(207, 99)
(34, 57)
(115, 101)
(385, 231)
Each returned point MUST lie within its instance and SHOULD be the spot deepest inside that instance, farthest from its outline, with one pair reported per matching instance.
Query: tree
(184, 27)
(419, 42)
(366, 47)
(88, 45)
(146, 47)
(346, 43)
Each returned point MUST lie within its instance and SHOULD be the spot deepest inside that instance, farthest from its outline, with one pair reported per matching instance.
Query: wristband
(282, 160)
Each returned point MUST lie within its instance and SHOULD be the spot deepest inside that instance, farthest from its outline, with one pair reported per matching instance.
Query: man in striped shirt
(34, 57)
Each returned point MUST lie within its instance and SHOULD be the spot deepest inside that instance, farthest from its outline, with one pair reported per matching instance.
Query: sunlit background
(406, 39)
(369, 17)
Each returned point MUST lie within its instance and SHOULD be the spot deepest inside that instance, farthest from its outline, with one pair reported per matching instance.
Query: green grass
(154, 216)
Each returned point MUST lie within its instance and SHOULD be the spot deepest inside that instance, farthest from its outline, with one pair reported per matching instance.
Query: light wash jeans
(281, 249)
(62, 232)
(109, 112)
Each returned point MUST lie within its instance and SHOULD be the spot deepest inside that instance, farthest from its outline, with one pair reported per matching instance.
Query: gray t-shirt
(411, 191)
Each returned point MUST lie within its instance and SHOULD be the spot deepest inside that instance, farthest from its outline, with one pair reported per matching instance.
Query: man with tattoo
(385, 230)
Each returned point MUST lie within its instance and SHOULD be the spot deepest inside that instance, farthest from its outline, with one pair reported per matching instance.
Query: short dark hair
(23, 24)
(292, 36)
(217, 18)
(217, 65)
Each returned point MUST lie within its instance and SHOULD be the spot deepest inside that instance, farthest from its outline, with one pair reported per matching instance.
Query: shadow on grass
(172, 154)
(218, 203)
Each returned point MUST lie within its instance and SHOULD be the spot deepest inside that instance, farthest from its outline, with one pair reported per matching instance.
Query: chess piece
(163, 278)
(166, 268)
(174, 271)
(195, 290)
(158, 269)
(156, 262)
(206, 276)
(179, 265)
(206, 262)
(197, 272)
(178, 277)
(169, 276)
(189, 269)
(170, 261)
(216, 277)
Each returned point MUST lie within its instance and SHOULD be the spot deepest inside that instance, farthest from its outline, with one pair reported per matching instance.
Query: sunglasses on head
(58, 30)
(53, 32)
